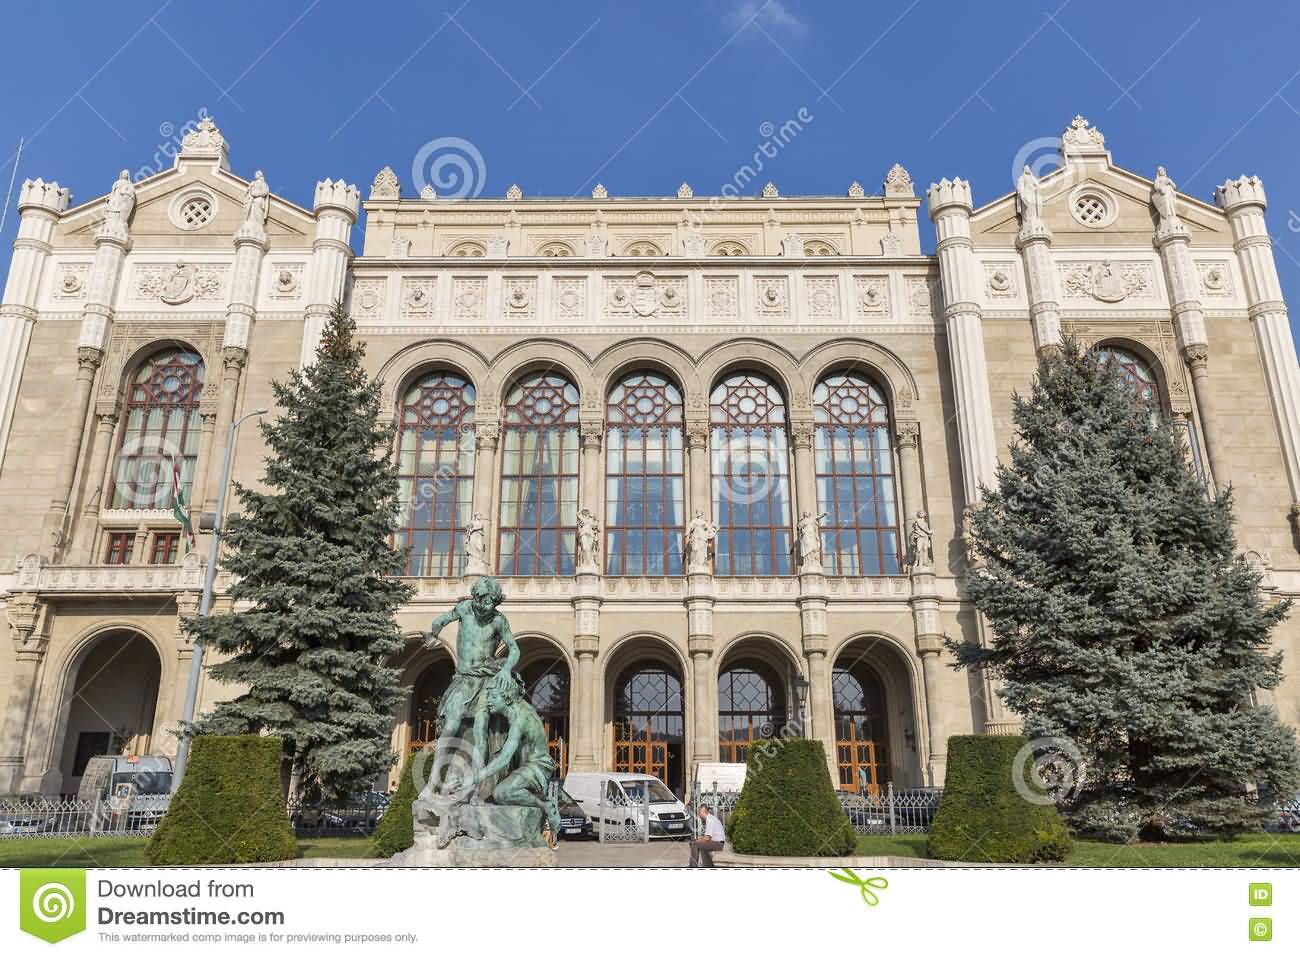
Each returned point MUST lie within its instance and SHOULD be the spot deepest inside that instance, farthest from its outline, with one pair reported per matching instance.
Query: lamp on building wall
(205, 605)
(801, 689)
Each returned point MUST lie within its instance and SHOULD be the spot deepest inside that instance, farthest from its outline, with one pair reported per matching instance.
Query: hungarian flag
(179, 510)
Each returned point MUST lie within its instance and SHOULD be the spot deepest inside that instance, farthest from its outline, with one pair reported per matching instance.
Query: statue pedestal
(476, 835)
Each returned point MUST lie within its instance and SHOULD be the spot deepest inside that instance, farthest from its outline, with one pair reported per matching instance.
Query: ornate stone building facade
(718, 450)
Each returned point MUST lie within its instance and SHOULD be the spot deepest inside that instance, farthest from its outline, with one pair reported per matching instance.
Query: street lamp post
(801, 689)
(205, 604)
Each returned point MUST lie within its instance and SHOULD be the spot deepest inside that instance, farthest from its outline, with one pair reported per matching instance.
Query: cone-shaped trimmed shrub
(229, 809)
(788, 806)
(396, 830)
(985, 817)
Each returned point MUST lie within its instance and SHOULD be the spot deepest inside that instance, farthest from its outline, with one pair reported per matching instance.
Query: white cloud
(772, 14)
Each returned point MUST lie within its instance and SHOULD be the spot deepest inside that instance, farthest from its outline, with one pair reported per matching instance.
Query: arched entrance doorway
(649, 718)
(426, 696)
(751, 705)
(546, 682)
(861, 725)
(112, 703)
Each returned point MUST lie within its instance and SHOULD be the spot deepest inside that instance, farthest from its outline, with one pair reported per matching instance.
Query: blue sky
(642, 96)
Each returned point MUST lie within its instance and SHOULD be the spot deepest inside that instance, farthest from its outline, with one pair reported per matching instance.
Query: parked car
(574, 822)
(625, 793)
(862, 812)
(916, 807)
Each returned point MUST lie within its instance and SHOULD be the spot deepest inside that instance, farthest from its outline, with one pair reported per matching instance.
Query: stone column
(207, 478)
(24, 611)
(39, 206)
(805, 469)
(171, 699)
(99, 471)
(703, 700)
(1173, 241)
(950, 209)
(591, 472)
(112, 241)
(700, 474)
(1035, 244)
(812, 623)
(1244, 202)
(336, 208)
(908, 435)
(487, 435)
(585, 706)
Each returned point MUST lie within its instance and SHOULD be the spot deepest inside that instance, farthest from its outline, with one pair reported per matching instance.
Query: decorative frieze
(1000, 280)
(286, 281)
(368, 297)
(71, 281)
(645, 295)
(1107, 281)
(418, 297)
(721, 297)
(1215, 279)
(519, 299)
(772, 297)
(569, 299)
(180, 282)
(920, 296)
(872, 296)
(468, 299)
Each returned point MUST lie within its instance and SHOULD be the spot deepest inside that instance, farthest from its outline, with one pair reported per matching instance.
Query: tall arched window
(539, 477)
(650, 723)
(435, 466)
(546, 681)
(645, 477)
(751, 477)
(855, 477)
(162, 430)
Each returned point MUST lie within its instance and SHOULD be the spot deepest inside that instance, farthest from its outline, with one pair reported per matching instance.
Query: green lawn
(129, 851)
(1255, 850)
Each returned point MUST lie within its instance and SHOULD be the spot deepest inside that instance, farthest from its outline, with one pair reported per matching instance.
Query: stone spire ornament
(856, 191)
(599, 192)
(769, 191)
(514, 192)
(898, 182)
(385, 185)
(684, 191)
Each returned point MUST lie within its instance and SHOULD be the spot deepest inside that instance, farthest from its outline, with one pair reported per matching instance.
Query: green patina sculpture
(491, 769)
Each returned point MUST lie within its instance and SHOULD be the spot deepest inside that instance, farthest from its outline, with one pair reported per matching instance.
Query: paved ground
(659, 853)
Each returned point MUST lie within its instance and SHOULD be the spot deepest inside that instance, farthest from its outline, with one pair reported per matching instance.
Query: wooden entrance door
(638, 749)
(855, 755)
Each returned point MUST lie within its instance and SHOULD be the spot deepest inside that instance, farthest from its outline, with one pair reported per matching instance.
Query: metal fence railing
(107, 817)
(623, 821)
(893, 812)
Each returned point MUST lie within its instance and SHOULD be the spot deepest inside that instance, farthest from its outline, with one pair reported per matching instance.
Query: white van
(624, 796)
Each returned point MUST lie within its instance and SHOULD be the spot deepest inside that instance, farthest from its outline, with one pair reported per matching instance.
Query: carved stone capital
(233, 359)
(88, 357)
(1197, 355)
(592, 432)
(487, 435)
(586, 646)
(23, 612)
(801, 434)
(908, 433)
(697, 434)
(929, 644)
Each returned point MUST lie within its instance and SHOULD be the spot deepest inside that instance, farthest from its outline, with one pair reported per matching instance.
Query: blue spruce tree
(312, 561)
(1123, 620)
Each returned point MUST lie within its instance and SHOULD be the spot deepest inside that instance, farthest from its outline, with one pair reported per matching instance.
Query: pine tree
(1122, 620)
(311, 555)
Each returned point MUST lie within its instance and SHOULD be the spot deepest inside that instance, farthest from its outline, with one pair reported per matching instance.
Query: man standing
(712, 837)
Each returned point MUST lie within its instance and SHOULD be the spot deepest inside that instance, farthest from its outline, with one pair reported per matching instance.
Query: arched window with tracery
(1134, 371)
(855, 477)
(435, 468)
(539, 477)
(645, 477)
(751, 706)
(861, 726)
(160, 440)
(751, 476)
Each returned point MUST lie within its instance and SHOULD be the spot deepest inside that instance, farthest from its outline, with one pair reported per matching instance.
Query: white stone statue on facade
(1164, 197)
(700, 534)
(178, 287)
(476, 545)
(121, 202)
(257, 199)
(920, 540)
(1029, 203)
(588, 539)
(810, 540)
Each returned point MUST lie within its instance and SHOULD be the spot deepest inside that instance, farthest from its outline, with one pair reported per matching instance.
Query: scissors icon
(864, 884)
